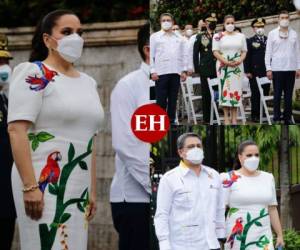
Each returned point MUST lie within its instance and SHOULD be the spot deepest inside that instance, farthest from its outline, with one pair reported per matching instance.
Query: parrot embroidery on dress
(233, 178)
(38, 83)
(51, 171)
(236, 230)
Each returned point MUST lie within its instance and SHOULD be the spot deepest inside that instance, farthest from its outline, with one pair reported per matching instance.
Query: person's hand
(269, 75)
(249, 75)
(279, 242)
(231, 64)
(91, 207)
(183, 76)
(154, 77)
(237, 63)
(298, 74)
(34, 204)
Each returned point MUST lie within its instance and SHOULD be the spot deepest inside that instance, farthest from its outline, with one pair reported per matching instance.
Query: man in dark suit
(255, 64)
(7, 209)
(206, 66)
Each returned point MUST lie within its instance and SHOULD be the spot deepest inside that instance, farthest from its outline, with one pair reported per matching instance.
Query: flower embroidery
(219, 36)
(38, 83)
(232, 179)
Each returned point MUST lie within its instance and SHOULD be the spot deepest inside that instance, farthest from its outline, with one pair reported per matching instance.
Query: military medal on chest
(205, 41)
(256, 45)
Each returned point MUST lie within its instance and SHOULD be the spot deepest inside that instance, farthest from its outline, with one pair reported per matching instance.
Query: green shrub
(291, 239)
(88, 11)
(190, 11)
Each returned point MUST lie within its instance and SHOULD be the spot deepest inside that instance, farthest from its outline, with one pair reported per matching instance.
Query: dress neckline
(60, 73)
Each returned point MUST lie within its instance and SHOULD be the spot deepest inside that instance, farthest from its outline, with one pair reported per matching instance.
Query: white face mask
(189, 32)
(70, 47)
(297, 4)
(260, 31)
(5, 74)
(284, 23)
(166, 25)
(195, 155)
(229, 27)
(251, 163)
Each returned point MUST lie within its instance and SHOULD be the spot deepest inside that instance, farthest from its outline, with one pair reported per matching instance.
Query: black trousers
(166, 88)
(132, 222)
(255, 96)
(283, 82)
(7, 229)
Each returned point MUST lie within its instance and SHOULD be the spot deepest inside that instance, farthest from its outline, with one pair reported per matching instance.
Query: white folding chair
(186, 108)
(213, 105)
(190, 82)
(263, 100)
(246, 95)
(214, 109)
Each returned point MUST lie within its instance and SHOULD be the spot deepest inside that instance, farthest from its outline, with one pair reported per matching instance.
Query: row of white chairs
(189, 98)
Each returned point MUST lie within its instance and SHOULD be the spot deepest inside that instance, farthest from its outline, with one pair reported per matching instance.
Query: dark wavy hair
(240, 150)
(39, 50)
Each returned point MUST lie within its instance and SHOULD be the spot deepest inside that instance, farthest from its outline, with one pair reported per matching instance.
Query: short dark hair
(227, 17)
(182, 138)
(284, 12)
(143, 38)
(240, 150)
(166, 14)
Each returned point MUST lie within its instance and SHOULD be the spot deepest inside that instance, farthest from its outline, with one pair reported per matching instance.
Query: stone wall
(110, 53)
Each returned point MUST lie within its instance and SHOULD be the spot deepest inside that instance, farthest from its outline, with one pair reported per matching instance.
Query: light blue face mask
(5, 73)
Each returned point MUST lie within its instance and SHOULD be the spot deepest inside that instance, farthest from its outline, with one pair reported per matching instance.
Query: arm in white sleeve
(152, 53)
(132, 152)
(298, 52)
(268, 52)
(161, 219)
(184, 54)
(220, 217)
(190, 55)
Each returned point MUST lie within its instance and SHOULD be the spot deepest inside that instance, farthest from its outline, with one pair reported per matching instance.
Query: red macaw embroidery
(39, 83)
(219, 36)
(51, 171)
(236, 230)
(233, 178)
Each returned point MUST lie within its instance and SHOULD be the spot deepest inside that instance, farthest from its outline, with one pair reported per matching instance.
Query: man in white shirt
(282, 61)
(131, 188)
(168, 62)
(190, 211)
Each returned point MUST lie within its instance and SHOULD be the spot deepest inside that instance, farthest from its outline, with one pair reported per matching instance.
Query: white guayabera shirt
(190, 210)
(131, 182)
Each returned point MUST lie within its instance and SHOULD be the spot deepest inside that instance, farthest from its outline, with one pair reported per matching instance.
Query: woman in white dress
(54, 112)
(230, 49)
(250, 195)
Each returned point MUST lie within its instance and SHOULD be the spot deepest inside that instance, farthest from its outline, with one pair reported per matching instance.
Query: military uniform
(7, 210)
(255, 65)
(206, 66)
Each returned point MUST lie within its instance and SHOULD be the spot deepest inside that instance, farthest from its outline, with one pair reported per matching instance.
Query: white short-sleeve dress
(66, 113)
(231, 78)
(248, 224)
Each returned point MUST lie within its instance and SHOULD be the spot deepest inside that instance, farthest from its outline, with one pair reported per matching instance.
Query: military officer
(7, 211)
(255, 64)
(206, 65)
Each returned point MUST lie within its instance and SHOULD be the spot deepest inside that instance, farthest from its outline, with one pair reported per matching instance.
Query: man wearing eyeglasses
(190, 205)
(282, 61)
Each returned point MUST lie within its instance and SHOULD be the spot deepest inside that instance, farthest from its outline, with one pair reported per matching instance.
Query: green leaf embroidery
(44, 136)
(232, 210)
(71, 152)
(262, 212)
(35, 144)
(64, 218)
(31, 136)
(37, 139)
(238, 237)
(81, 206)
(248, 217)
(53, 225)
(90, 145)
(53, 189)
(83, 165)
(257, 223)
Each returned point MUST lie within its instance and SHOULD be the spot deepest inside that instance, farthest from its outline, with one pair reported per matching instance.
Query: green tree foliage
(14, 13)
(190, 11)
